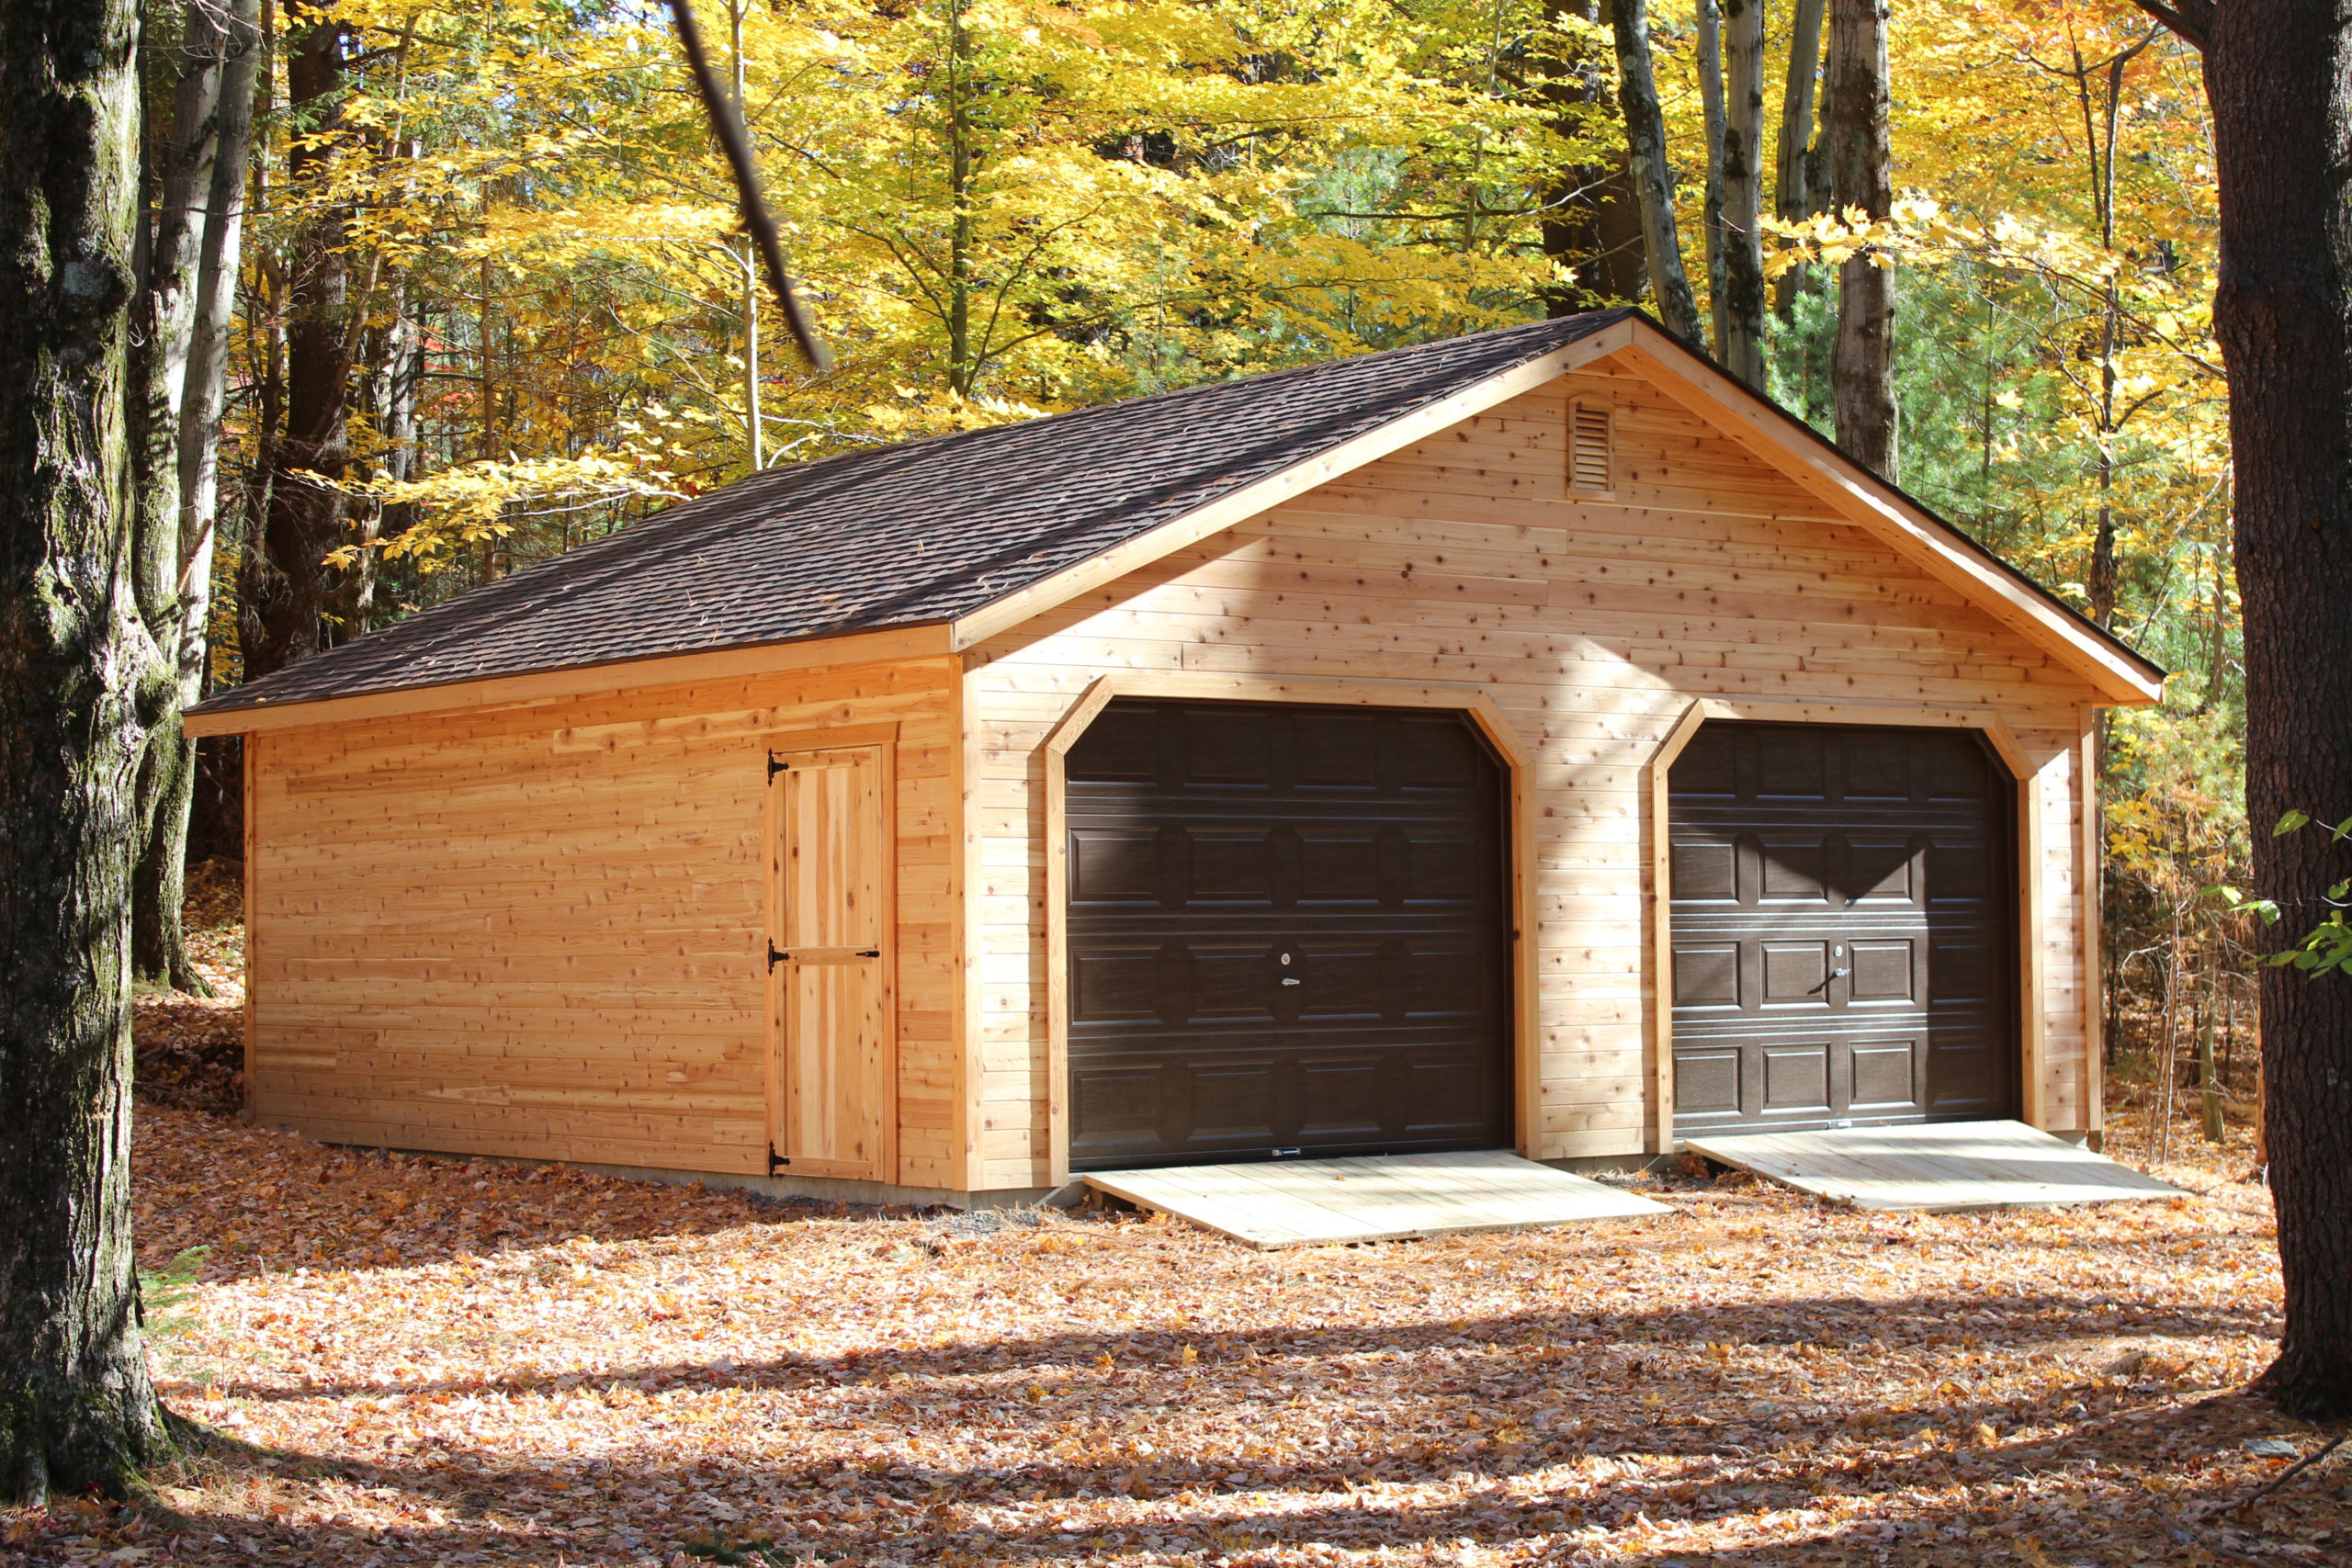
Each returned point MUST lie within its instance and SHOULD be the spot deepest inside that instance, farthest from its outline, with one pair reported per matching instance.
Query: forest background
(492, 302)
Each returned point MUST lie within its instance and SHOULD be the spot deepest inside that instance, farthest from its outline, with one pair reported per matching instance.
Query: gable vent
(1589, 452)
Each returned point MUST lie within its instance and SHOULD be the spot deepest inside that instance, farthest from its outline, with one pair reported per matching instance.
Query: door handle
(1291, 980)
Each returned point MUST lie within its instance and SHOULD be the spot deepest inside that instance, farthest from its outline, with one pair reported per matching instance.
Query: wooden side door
(830, 1103)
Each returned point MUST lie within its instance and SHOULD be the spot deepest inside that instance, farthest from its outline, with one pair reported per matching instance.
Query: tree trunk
(1795, 196)
(167, 327)
(1740, 345)
(79, 679)
(1653, 180)
(1592, 220)
(286, 588)
(1855, 111)
(2278, 77)
(1708, 22)
(159, 943)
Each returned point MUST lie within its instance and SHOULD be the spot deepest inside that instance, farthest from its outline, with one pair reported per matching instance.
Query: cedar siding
(506, 898)
(539, 932)
(1593, 625)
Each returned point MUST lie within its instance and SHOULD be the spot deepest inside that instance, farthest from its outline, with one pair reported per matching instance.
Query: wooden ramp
(1321, 1202)
(1938, 1169)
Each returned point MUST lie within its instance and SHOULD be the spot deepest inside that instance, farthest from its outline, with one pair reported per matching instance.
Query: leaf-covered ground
(437, 1360)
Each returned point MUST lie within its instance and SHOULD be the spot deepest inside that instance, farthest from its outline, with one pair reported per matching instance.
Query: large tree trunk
(1855, 111)
(1592, 220)
(1741, 345)
(286, 588)
(1796, 196)
(1653, 179)
(79, 679)
(2282, 130)
(2280, 76)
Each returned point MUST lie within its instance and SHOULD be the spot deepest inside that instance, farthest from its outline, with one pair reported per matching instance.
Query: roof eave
(893, 645)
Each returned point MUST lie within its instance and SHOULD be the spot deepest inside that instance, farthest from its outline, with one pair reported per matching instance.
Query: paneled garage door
(1845, 948)
(1286, 933)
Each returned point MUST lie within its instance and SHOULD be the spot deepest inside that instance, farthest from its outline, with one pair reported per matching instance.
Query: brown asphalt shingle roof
(903, 535)
(924, 531)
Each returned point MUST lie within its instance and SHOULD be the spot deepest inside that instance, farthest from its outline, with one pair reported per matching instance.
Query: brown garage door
(1286, 934)
(1844, 927)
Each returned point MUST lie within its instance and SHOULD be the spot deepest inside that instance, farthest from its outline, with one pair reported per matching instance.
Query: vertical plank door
(831, 1113)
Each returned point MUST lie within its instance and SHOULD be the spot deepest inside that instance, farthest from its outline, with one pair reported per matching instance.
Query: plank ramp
(1942, 1168)
(1323, 1203)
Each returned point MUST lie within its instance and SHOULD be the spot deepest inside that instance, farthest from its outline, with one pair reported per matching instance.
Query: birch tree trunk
(163, 344)
(1795, 198)
(79, 681)
(1740, 345)
(1653, 179)
(1855, 111)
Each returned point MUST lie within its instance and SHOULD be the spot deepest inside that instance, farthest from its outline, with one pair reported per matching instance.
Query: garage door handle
(1291, 980)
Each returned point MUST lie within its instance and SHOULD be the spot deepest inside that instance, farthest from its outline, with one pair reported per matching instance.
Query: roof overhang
(895, 646)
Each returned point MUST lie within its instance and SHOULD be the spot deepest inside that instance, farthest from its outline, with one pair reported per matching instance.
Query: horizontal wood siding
(540, 930)
(1592, 624)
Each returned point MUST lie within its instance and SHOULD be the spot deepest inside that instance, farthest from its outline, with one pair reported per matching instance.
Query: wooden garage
(1530, 740)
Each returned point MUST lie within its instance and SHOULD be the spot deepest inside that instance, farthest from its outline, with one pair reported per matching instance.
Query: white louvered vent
(1589, 453)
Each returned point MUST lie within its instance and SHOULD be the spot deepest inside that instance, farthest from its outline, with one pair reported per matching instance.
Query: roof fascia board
(1320, 467)
(544, 685)
(1855, 493)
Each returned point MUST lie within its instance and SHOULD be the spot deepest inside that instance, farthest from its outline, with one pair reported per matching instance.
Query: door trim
(1470, 701)
(2032, 1089)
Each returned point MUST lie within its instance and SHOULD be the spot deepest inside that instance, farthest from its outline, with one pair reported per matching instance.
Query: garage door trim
(1469, 701)
(2029, 883)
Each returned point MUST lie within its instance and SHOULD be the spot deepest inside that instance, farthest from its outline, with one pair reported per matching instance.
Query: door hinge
(775, 958)
(775, 1159)
(776, 765)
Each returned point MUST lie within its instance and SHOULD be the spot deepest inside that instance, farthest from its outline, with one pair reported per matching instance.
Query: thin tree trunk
(1740, 344)
(77, 671)
(1708, 22)
(1592, 218)
(1794, 195)
(286, 587)
(1855, 111)
(1653, 180)
(181, 246)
